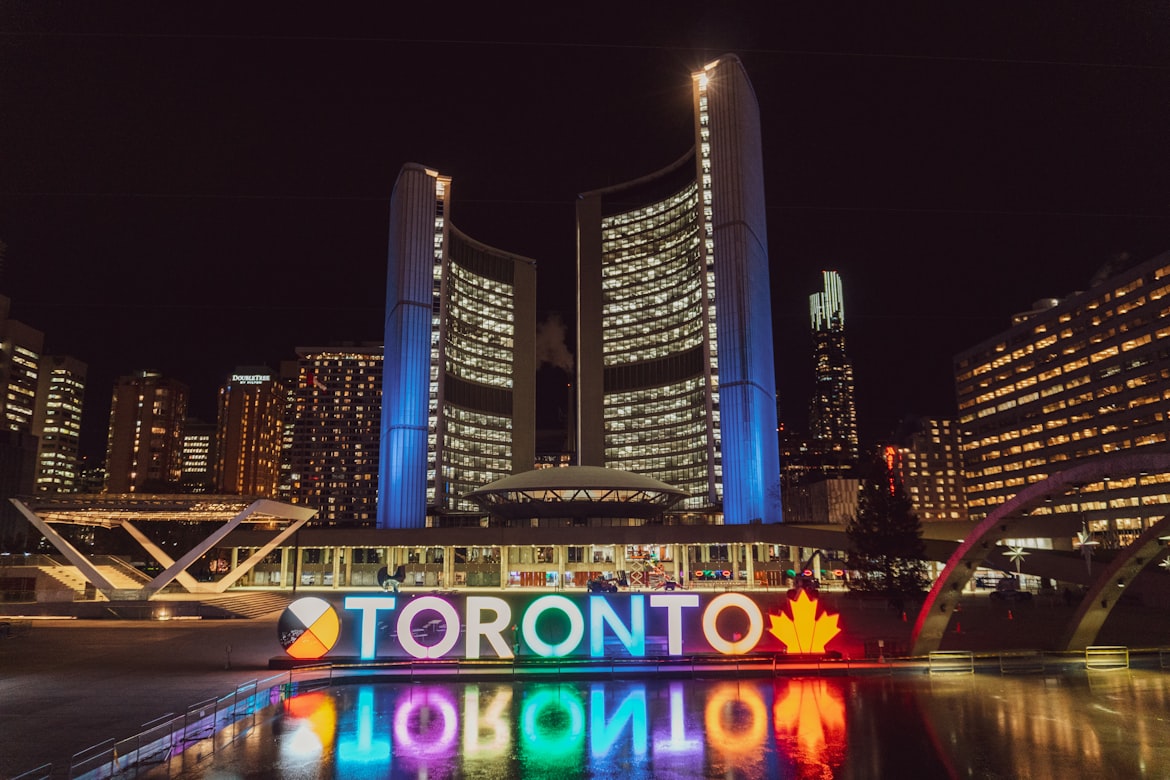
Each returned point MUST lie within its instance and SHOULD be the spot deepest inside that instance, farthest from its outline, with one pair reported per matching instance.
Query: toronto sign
(369, 627)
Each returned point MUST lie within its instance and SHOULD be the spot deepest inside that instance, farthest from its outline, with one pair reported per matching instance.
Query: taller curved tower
(675, 368)
(459, 375)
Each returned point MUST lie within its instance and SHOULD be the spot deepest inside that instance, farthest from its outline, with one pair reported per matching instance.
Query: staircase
(245, 605)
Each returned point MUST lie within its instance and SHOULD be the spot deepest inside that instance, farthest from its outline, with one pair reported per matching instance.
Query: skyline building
(198, 471)
(832, 410)
(460, 359)
(249, 433)
(144, 451)
(21, 347)
(675, 365)
(333, 453)
(927, 459)
(1072, 379)
(57, 423)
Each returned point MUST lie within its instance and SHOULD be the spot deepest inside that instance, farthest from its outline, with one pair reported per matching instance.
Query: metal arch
(1107, 588)
(936, 610)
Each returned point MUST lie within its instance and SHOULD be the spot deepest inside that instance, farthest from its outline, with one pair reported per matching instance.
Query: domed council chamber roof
(576, 491)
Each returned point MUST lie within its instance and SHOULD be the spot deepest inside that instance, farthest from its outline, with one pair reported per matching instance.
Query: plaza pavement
(67, 685)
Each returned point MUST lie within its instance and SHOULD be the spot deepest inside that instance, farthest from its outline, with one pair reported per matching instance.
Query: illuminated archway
(1106, 590)
(980, 543)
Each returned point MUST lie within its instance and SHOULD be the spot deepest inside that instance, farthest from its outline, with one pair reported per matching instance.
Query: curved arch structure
(980, 543)
(1111, 583)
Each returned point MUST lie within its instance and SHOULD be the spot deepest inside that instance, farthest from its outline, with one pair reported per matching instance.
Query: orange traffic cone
(958, 628)
(1009, 614)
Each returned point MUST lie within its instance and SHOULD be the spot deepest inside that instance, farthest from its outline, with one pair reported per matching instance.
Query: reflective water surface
(1114, 724)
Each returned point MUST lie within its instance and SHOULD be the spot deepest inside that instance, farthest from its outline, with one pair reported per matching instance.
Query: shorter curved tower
(459, 376)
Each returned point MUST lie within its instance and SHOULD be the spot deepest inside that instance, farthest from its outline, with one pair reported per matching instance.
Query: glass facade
(478, 360)
(655, 328)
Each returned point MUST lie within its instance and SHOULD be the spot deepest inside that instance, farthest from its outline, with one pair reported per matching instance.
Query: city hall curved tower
(676, 374)
(459, 376)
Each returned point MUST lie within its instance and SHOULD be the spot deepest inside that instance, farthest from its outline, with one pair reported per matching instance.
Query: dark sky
(196, 186)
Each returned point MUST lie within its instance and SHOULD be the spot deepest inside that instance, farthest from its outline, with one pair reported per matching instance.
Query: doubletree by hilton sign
(374, 626)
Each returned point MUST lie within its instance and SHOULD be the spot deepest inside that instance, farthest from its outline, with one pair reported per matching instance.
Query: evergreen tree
(885, 538)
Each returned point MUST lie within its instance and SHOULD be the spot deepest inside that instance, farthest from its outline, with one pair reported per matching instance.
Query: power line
(430, 42)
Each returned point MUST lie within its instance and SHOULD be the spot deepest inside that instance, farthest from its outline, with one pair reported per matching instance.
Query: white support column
(71, 553)
(154, 551)
(285, 577)
(336, 567)
(348, 567)
(216, 536)
(749, 553)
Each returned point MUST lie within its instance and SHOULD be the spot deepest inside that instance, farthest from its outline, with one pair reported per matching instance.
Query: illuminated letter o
(576, 626)
(450, 619)
(755, 731)
(438, 702)
(755, 623)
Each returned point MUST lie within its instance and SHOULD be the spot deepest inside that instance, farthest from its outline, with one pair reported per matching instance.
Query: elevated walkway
(125, 511)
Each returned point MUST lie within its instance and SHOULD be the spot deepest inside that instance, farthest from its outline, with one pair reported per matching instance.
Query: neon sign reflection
(565, 728)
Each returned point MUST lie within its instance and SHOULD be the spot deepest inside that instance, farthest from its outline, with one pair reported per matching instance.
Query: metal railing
(204, 726)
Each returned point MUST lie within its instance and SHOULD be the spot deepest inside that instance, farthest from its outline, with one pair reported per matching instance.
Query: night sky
(192, 192)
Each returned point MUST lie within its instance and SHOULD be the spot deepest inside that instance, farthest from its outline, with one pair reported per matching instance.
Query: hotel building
(1073, 378)
(249, 433)
(459, 407)
(675, 372)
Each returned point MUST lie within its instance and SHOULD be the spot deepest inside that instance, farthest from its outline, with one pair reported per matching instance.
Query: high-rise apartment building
(927, 459)
(460, 374)
(333, 454)
(20, 356)
(675, 366)
(1074, 378)
(144, 447)
(832, 411)
(249, 435)
(57, 424)
(21, 347)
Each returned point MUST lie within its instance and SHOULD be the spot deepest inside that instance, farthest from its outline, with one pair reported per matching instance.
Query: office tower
(198, 470)
(333, 457)
(460, 373)
(57, 424)
(20, 355)
(927, 458)
(1074, 378)
(144, 448)
(832, 413)
(675, 367)
(249, 434)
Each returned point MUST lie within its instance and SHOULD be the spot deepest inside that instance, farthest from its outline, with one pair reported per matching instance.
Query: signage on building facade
(369, 626)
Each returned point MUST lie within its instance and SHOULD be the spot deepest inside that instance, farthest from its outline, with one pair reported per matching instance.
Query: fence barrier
(1106, 657)
(952, 661)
